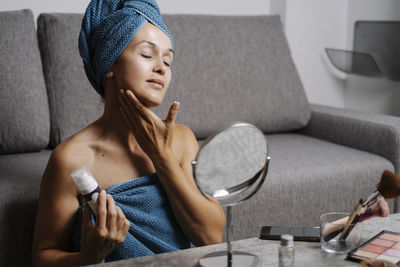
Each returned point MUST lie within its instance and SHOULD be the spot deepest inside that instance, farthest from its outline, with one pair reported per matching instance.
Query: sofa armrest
(374, 133)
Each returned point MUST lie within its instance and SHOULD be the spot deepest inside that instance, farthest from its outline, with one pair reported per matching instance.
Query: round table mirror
(231, 166)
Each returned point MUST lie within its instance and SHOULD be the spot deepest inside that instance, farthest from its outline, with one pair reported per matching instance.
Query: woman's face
(144, 67)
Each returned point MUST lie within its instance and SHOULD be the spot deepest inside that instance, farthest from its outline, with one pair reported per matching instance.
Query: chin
(153, 105)
(151, 102)
(149, 97)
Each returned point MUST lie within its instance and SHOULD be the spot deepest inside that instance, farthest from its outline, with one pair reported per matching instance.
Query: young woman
(161, 210)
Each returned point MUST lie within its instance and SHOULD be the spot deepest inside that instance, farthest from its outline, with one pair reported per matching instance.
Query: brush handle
(371, 199)
(334, 228)
(369, 212)
(356, 212)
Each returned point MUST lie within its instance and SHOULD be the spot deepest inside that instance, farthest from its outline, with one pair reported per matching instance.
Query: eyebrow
(154, 45)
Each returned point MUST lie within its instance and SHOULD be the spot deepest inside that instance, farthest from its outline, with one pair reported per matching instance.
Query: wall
(377, 95)
(220, 7)
(279, 7)
(312, 25)
(215, 7)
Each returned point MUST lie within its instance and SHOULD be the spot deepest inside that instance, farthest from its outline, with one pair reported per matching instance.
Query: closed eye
(167, 64)
(145, 56)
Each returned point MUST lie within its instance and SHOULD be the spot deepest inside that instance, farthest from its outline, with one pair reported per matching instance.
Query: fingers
(86, 216)
(135, 102)
(118, 225)
(112, 223)
(379, 208)
(153, 134)
(110, 230)
(125, 102)
(127, 120)
(172, 113)
(132, 103)
(120, 218)
(133, 107)
(101, 210)
(123, 224)
(111, 215)
(126, 109)
(383, 208)
(127, 226)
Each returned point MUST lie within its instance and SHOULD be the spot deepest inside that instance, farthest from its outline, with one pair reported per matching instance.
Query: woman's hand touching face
(152, 134)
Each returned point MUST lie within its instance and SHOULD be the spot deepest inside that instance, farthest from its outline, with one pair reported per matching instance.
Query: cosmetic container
(87, 186)
(286, 251)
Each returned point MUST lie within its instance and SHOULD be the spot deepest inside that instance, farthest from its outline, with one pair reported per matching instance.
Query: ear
(110, 74)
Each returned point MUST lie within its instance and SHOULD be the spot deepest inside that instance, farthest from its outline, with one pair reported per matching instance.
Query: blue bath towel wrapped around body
(153, 227)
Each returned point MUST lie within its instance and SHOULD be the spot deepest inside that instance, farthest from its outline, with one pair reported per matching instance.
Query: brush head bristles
(389, 185)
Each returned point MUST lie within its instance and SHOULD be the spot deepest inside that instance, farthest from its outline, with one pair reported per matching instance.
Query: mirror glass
(231, 161)
(231, 166)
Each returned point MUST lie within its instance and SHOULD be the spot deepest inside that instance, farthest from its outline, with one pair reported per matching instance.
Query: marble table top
(306, 253)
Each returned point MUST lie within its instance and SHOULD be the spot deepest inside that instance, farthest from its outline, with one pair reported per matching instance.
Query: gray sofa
(226, 69)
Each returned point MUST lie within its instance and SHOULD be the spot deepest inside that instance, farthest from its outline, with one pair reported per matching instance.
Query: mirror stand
(220, 258)
(231, 166)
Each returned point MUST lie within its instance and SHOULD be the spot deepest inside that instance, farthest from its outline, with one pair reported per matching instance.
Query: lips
(156, 82)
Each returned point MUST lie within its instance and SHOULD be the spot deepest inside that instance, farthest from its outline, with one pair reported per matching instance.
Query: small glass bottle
(286, 251)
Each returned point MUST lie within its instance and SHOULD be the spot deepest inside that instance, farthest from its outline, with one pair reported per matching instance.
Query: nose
(159, 66)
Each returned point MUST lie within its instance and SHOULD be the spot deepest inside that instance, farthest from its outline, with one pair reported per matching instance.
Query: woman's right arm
(57, 205)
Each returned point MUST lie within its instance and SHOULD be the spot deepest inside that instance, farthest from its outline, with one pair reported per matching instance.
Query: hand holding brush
(388, 187)
(374, 205)
(378, 209)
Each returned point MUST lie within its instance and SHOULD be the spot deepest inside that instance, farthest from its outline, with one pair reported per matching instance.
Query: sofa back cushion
(234, 68)
(226, 68)
(24, 112)
(72, 100)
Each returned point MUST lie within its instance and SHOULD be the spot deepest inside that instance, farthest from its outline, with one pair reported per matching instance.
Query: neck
(112, 125)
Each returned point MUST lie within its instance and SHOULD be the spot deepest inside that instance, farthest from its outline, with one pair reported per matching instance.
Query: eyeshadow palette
(384, 246)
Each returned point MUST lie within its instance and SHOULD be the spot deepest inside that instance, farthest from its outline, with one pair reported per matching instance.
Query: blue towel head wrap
(107, 28)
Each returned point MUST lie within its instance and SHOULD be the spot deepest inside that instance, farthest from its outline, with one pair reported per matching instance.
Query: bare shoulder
(184, 135)
(67, 156)
(74, 151)
(185, 143)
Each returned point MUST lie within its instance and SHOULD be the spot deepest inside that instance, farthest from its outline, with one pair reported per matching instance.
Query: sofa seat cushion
(308, 177)
(24, 111)
(20, 178)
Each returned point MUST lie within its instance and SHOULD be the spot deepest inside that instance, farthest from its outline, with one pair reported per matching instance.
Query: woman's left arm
(202, 219)
(172, 148)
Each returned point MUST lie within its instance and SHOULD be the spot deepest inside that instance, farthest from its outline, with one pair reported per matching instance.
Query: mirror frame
(260, 175)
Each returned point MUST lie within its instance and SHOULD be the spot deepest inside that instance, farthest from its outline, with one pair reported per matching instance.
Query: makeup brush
(381, 209)
(356, 212)
(388, 187)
